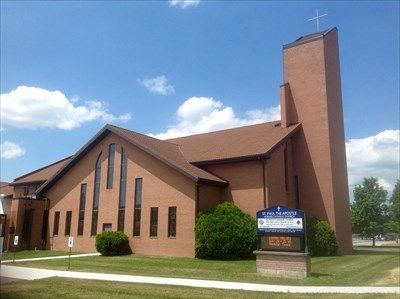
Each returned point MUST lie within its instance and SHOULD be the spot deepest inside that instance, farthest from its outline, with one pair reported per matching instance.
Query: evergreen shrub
(225, 232)
(111, 243)
(321, 238)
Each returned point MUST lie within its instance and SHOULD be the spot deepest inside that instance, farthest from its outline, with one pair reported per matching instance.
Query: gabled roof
(40, 175)
(164, 151)
(184, 153)
(232, 144)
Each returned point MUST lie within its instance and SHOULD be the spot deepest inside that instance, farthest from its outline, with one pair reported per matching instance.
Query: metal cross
(317, 19)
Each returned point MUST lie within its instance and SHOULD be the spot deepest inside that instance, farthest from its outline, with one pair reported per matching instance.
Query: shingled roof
(237, 143)
(184, 153)
(42, 174)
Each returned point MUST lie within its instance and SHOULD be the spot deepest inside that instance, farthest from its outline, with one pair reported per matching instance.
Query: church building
(153, 189)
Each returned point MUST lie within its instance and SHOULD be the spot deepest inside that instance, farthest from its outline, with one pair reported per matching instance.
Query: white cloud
(376, 156)
(203, 114)
(34, 107)
(11, 150)
(184, 3)
(157, 84)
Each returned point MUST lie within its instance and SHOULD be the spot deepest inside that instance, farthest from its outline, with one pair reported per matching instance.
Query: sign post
(15, 244)
(70, 245)
(282, 242)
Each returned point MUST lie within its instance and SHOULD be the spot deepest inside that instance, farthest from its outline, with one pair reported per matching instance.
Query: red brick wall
(246, 182)
(312, 71)
(162, 187)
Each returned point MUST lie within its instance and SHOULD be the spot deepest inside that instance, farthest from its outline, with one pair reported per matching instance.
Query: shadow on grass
(367, 252)
(313, 274)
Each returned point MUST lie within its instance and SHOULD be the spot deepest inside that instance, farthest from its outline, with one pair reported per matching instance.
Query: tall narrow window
(110, 170)
(122, 191)
(138, 206)
(68, 223)
(285, 157)
(96, 195)
(56, 223)
(171, 222)
(296, 190)
(82, 202)
(153, 222)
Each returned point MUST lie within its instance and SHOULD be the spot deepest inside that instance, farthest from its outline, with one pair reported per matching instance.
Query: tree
(393, 225)
(369, 209)
(395, 203)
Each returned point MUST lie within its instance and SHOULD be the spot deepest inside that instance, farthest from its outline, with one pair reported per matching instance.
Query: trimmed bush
(112, 243)
(321, 238)
(225, 232)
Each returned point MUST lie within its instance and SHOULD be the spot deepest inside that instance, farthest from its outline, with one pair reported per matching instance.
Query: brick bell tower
(312, 96)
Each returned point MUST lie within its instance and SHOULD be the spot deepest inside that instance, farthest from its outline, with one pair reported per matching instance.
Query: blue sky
(165, 69)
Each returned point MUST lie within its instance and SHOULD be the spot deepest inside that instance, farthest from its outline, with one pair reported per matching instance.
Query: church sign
(281, 229)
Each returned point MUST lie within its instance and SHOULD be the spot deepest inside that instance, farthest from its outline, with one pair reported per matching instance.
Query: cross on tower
(317, 18)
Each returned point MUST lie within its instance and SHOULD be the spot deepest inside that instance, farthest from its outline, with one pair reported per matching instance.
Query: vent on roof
(277, 125)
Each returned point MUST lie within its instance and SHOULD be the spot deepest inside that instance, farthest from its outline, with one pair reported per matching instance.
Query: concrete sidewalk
(33, 273)
(50, 257)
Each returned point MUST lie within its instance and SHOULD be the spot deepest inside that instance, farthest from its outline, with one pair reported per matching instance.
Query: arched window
(96, 195)
(110, 170)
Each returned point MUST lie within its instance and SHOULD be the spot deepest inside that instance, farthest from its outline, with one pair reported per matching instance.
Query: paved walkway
(50, 257)
(33, 273)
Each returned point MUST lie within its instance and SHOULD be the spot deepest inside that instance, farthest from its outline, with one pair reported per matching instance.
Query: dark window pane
(122, 185)
(136, 222)
(153, 222)
(138, 192)
(110, 171)
(68, 223)
(82, 201)
(56, 223)
(97, 176)
(107, 227)
(172, 222)
(81, 222)
(121, 220)
(96, 195)
(93, 231)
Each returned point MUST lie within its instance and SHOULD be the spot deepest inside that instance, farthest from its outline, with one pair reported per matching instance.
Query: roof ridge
(39, 169)
(142, 134)
(228, 129)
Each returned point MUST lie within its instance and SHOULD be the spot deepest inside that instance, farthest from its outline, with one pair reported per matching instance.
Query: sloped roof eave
(100, 135)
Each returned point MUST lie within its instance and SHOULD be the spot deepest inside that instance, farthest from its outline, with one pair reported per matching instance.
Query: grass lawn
(362, 268)
(26, 254)
(73, 288)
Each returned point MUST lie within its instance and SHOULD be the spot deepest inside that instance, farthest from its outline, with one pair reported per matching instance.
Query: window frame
(153, 222)
(110, 165)
(172, 222)
(68, 220)
(137, 208)
(56, 223)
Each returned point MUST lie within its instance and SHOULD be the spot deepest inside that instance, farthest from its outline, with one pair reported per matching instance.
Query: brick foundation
(287, 264)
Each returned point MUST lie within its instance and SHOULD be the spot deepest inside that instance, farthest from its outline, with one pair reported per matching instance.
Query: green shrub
(225, 232)
(321, 238)
(112, 243)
